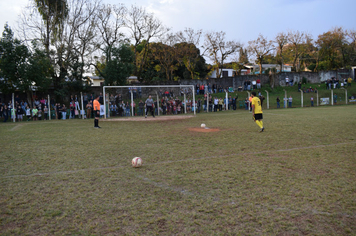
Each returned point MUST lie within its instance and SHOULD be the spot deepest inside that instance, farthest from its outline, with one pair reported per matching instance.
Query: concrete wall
(237, 81)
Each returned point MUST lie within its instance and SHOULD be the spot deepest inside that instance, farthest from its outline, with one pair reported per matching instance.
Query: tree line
(60, 41)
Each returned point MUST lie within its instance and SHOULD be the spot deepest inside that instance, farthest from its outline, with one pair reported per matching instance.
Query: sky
(242, 21)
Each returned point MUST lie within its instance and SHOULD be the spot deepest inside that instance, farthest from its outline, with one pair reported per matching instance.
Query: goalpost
(146, 93)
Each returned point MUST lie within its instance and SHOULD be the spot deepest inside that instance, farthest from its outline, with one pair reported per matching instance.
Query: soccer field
(67, 178)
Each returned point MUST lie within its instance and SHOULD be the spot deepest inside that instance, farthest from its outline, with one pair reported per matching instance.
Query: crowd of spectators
(41, 108)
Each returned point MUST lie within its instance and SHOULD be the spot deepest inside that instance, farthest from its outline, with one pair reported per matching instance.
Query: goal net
(130, 100)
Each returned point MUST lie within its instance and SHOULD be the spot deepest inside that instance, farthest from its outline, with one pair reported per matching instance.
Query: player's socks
(259, 123)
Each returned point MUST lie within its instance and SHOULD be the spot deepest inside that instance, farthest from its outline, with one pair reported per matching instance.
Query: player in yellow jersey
(257, 111)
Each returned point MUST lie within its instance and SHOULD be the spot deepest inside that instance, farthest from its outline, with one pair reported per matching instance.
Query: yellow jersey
(256, 102)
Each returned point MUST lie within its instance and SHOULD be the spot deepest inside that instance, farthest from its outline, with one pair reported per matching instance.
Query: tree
(281, 40)
(166, 56)
(143, 27)
(260, 48)
(299, 44)
(188, 52)
(70, 47)
(13, 56)
(119, 67)
(20, 68)
(243, 56)
(110, 22)
(219, 49)
(53, 13)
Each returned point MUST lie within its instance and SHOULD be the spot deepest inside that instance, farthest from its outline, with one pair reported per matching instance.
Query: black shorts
(97, 114)
(258, 116)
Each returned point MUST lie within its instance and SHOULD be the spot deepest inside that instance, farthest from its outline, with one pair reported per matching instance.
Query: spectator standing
(287, 81)
(28, 113)
(127, 109)
(19, 113)
(216, 104)
(141, 106)
(45, 113)
(221, 103)
(278, 102)
(89, 107)
(39, 114)
(290, 100)
(72, 110)
(34, 113)
(5, 112)
(335, 98)
(85, 100)
(349, 80)
(312, 101)
(258, 83)
(230, 103)
(64, 112)
(199, 104)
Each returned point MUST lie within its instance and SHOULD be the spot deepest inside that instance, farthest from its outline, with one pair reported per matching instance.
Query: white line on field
(175, 161)
(16, 127)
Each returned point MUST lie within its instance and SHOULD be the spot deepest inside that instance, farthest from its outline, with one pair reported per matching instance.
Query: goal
(115, 97)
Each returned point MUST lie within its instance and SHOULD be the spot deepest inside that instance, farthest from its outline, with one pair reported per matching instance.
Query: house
(228, 73)
(99, 81)
(255, 69)
(96, 81)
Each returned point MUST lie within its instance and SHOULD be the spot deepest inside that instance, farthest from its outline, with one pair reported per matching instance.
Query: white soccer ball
(136, 162)
(202, 125)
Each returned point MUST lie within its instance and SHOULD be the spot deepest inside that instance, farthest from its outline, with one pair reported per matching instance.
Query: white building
(255, 69)
(227, 73)
(99, 81)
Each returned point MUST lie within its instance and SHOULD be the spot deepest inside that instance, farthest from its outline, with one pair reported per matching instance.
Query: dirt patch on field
(203, 130)
(149, 118)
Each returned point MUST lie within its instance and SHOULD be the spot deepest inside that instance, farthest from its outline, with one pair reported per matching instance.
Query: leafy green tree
(119, 66)
(20, 68)
(188, 55)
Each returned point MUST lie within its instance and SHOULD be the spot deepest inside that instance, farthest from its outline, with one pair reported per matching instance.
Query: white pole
(185, 104)
(285, 103)
(104, 102)
(207, 102)
(13, 113)
(346, 96)
(82, 110)
(157, 103)
(317, 98)
(132, 108)
(227, 101)
(332, 95)
(249, 105)
(49, 107)
(194, 99)
(301, 98)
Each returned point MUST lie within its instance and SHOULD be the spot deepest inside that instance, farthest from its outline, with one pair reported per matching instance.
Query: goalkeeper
(149, 106)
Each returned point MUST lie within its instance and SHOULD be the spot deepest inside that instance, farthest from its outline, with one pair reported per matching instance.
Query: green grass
(296, 178)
